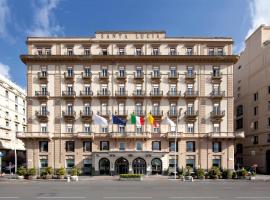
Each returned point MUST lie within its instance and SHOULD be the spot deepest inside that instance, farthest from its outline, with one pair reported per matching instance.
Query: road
(158, 190)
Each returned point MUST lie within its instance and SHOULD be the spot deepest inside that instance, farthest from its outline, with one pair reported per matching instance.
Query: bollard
(68, 179)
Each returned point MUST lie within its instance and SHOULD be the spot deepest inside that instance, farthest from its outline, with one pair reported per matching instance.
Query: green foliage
(31, 172)
(48, 171)
(131, 175)
(227, 174)
(61, 171)
(21, 171)
(75, 171)
(214, 172)
(188, 171)
(181, 171)
(243, 172)
(234, 175)
(200, 172)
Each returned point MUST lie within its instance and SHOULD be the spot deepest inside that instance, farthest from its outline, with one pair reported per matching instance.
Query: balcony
(121, 77)
(121, 113)
(103, 94)
(131, 135)
(85, 135)
(139, 94)
(221, 135)
(86, 94)
(33, 135)
(172, 113)
(173, 77)
(121, 94)
(157, 113)
(172, 135)
(69, 77)
(156, 94)
(191, 94)
(87, 77)
(191, 115)
(42, 95)
(138, 77)
(104, 113)
(190, 76)
(43, 76)
(217, 115)
(155, 77)
(173, 94)
(139, 112)
(69, 116)
(42, 116)
(69, 95)
(217, 94)
(216, 77)
(103, 77)
(86, 116)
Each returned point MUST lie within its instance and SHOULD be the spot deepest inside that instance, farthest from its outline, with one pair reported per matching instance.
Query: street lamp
(175, 140)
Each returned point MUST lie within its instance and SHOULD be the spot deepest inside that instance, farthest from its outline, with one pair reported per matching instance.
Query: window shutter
(159, 145)
(219, 146)
(100, 145)
(194, 148)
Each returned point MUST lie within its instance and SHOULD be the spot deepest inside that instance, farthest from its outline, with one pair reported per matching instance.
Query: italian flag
(139, 121)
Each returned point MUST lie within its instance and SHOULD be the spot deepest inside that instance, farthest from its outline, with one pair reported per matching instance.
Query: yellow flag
(151, 119)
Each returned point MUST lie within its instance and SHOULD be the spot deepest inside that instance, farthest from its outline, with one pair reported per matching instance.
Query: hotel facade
(252, 101)
(122, 73)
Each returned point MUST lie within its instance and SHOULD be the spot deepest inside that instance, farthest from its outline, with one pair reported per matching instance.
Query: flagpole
(176, 130)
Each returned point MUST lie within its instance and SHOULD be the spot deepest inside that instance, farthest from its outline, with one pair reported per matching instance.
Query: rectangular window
(172, 51)
(255, 110)
(216, 147)
(104, 129)
(239, 123)
(190, 128)
(256, 125)
(139, 129)
(190, 162)
(87, 128)
(43, 146)
(256, 96)
(138, 51)
(69, 128)
(255, 139)
(104, 52)
(70, 146)
(211, 51)
(121, 51)
(220, 51)
(43, 128)
(216, 162)
(86, 51)
(69, 51)
(121, 129)
(239, 110)
(189, 51)
(87, 146)
(216, 127)
(70, 163)
(104, 146)
(190, 146)
(139, 146)
(48, 51)
(156, 129)
(43, 162)
(172, 146)
(156, 145)
(155, 51)
(122, 146)
(173, 163)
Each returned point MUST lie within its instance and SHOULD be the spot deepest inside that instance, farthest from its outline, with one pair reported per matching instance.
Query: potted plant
(131, 177)
(74, 174)
(226, 174)
(188, 174)
(48, 172)
(181, 174)
(21, 172)
(61, 172)
(214, 173)
(31, 173)
(201, 174)
(243, 173)
(234, 175)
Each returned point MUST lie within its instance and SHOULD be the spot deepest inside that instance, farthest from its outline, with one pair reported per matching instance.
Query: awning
(4, 144)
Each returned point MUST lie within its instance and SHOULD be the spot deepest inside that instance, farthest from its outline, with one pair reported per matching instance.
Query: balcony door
(104, 71)
(173, 108)
(69, 108)
(138, 108)
(104, 89)
(173, 91)
(156, 89)
(156, 108)
(190, 108)
(121, 108)
(104, 108)
(87, 109)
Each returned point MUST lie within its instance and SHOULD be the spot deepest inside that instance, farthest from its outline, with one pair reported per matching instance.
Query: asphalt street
(158, 190)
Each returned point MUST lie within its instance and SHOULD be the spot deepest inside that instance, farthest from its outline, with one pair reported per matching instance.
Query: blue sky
(19, 19)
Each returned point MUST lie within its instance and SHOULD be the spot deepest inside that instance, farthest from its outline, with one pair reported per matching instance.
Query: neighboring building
(252, 101)
(121, 73)
(12, 116)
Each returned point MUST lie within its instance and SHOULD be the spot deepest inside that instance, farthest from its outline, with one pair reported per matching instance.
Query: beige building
(120, 73)
(252, 101)
(12, 116)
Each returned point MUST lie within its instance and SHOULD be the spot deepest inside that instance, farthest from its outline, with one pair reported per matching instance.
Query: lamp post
(175, 141)
(15, 153)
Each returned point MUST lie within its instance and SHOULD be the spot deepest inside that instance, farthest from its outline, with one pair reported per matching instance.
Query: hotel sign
(130, 36)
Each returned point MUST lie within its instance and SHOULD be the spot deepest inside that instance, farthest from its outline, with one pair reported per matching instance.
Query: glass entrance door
(156, 166)
(121, 166)
(139, 166)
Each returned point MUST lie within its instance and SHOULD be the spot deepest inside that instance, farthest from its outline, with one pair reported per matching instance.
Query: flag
(98, 120)
(119, 121)
(139, 121)
(168, 121)
(152, 120)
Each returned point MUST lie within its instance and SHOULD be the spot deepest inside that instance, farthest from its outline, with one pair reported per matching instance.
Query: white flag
(168, 121)
(98, 120)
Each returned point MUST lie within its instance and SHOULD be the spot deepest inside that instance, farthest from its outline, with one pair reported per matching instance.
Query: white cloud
(4, 17)
(259, 13)
(4, 70)
(45, 23)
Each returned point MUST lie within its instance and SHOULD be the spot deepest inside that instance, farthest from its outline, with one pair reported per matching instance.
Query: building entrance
(139, 166)
(121, 166)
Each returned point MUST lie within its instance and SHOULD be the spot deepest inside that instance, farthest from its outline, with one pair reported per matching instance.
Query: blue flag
(119, 121)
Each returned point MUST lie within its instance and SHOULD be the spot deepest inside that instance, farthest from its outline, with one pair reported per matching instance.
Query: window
(172, 146)
(139, 72)
(16, 107)
(190, 161)
(239, 148)
(268, 138)
(48, 51)
(69, 71)
(69, 128)
(255, 139)
(156, 72)
(211, 51)
(216, 162)
(220, 51)
(189, 51)
(43, 162)
(87, 146)
(173, 163)
(216, 147)
(172, 51)
(104, 129)
(173, 91)
(155, 51)
(138, 146)
(121, 51)
(156, 145)
(216, 71)
(43, 128)
(16, 99)
(70, 51)
(87, 71)
(156, 129)
(216, 127)
(104, 51)
(139, 109)
(70, 146)
(121, 128)
(256, 125)
(138, 51)
(122, 89)
(70, 162)
(190, 146)
(239, 110)
(86, 51)
(239, 123)
(43, 146)
(6, 94)
(138, 129)
(256, 96)
(255, 110)
(39, 51)
(122, 71)
(173, 72)
(104, 146)
(122, 146)
(190, 128)
(104, 89)
(87, 128)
